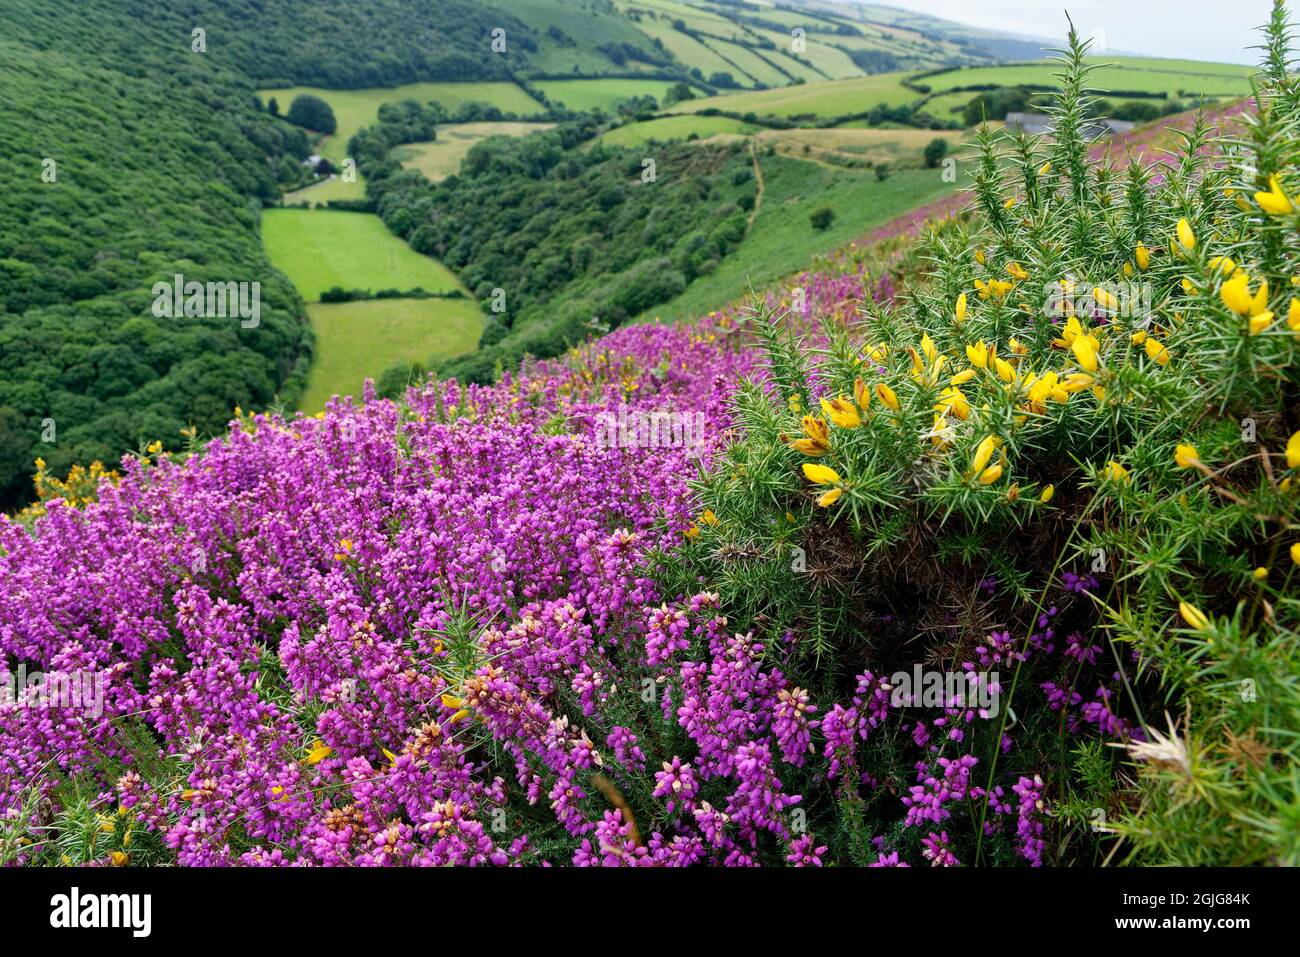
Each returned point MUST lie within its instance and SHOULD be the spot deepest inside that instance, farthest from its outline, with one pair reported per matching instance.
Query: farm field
(675, 128)
(832, 98)
(767, 67)
(600, 94)
(359, 340)
(1144, 75)
(782, 240)
(828, 61)
(690, 50)
(903, 146)
(320, 249)
(442, 158)
(318, 194)
(354, 109)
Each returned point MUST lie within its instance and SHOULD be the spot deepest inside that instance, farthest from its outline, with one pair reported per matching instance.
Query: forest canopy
(97, 212)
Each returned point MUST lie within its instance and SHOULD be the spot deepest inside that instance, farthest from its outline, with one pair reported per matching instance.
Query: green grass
(758, 66)
(690, 51)
(783, 241)
(442, 157)
(1146, 75)
(830, 61)
(318, 249)
(600, 94)
(359, 340)
(322, 193)
(827, 98)
(587, 32)
(667, 128)
(354, 109)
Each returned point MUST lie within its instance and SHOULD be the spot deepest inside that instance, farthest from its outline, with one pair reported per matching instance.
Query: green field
(666, 128)
(834, 98)
(442, 157)
(320, 249)
(354, 109)
(359, 340)
(331, 189)
(782, 240)
(760, 66)
(1144, 75)
(600, 94)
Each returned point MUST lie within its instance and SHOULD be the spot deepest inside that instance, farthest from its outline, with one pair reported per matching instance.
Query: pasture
(782, 240)
(665, 128)
(318, 194)
(832, 98)
(359, 340)
(320, 249)
(354, 109)
(1145, 75)
(601, 94)
(442, 157)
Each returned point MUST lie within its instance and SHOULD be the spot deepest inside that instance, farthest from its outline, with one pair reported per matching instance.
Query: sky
(1189, 29)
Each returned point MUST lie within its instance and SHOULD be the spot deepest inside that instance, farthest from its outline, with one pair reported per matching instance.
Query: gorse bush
(1069, 455)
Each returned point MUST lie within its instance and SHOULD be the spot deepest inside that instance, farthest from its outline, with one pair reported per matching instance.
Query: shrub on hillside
(821, 218)
(1064, 471)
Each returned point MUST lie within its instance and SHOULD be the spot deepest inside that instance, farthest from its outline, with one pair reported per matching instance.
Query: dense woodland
(572, 235)
(341, 44)
(160, 160)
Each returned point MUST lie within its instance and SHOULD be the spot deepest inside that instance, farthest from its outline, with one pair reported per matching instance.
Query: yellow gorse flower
(1275, 202)
(830, 497)
(1186, 457)
(841, 412)
(1194, 616)
(817, 437)
(820, 474)
(887, 396)
(952, 400)
(1116, 472)
(983, 453)
(318, 752)
(1186, 238)
(1293, 451)
(1156, 351)
(861, 394)
(1143, 257)
(960, 312)
(1085, 352)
